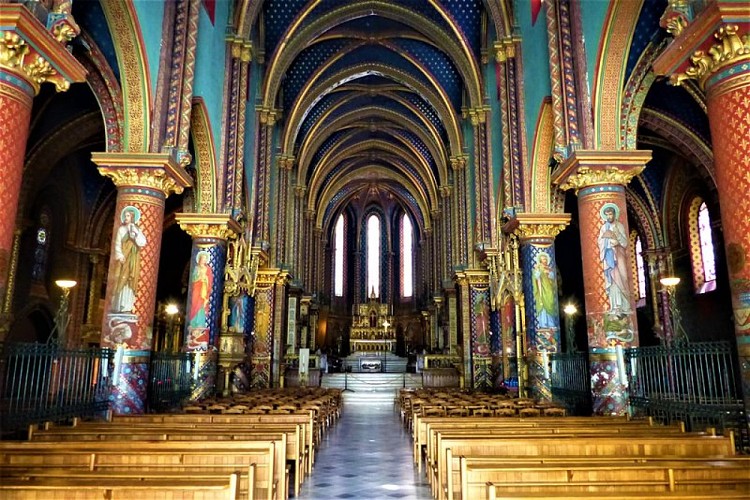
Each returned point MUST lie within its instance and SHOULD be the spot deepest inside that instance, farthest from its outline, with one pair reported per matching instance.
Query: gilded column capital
(286, 162)
(707, 47)
(476, 115)
(586, 168)
(300, 190)
(30, 51)
(546, 226)
(458, 162)
(240, 48)
(505, 48)
(445, 191)
(435, 214)
(156, 171)
(268, 116)
(218, 226)
(732, 48)
(309, 214)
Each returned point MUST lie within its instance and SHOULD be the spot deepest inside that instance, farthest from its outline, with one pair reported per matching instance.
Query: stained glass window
(407, 264)
(701, 247)
(373, 256)
(641, 269)
(338, 258)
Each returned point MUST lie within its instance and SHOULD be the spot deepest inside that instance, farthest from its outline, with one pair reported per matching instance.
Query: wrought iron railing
(46, 382)
(571, 383)
(694, 383)
(171, 375)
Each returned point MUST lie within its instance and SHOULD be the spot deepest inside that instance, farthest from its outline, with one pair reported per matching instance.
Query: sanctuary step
(372, 382)
(375, 362)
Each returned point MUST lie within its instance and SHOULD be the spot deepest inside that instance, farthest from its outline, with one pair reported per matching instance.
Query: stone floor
(366, 455)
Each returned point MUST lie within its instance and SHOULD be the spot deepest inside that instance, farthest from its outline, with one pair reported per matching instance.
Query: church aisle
(367, 455)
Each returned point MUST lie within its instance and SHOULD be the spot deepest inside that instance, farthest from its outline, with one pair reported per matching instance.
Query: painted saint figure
(545, 292)
(129, 239)
(201, 284)
(613, 243)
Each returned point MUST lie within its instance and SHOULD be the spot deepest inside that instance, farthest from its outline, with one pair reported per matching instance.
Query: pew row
(296, 452)
(306, 418)
(599, 474)
(444, 468)
(79, 487)
(185, 457)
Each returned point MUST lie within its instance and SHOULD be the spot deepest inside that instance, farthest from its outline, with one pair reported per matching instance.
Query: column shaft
(600, 178)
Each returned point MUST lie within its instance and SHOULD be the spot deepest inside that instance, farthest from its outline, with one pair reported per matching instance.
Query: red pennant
(536, 7)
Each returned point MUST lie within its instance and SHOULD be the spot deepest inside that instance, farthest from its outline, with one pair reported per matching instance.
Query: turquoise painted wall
(495, 125)
(535, 65)
(593, 14)
(150, 16)
(210, 70)
(251, 127)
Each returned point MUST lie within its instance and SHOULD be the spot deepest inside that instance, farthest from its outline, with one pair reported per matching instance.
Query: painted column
(715, 49)
(263, 333)
(537, 237)
(203, 310)
(143, 181)
(473, 293)
(279, 325)
(29, 56)
(599, 178)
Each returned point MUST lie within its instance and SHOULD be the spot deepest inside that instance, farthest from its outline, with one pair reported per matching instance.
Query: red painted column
(29, 56)
(714, 48)
(599, 178)
(143, 181)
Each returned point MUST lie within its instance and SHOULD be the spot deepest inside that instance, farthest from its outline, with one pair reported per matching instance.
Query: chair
(554, 412)
(529, 412)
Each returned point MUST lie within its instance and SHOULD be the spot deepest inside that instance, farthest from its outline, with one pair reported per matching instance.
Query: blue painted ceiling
(374, 39)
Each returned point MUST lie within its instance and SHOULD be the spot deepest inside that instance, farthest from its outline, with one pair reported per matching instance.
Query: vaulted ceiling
(371, 96)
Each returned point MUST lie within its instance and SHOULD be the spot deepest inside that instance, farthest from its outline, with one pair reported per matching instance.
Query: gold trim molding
(219, 226)
(541, 225)
(157, 171)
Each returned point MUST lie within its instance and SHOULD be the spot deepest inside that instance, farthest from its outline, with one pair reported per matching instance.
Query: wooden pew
(421, 423)
(301, 417)
(78, 487)
(97, 431)
(566, 445)
(169, 456)
(602, 474)
(633, 495)
(561, 425)
(594, 432)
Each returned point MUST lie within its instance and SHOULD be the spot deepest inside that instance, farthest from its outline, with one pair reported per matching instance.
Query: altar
(371, 332)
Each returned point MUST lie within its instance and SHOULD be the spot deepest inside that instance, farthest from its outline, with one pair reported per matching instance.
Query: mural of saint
(545, 292)
(129, 239)
(237, 313)
(482, 321)
(613, 244)
(201, 285)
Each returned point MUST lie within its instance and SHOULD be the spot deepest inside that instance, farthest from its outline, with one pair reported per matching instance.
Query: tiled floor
(367, 455)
